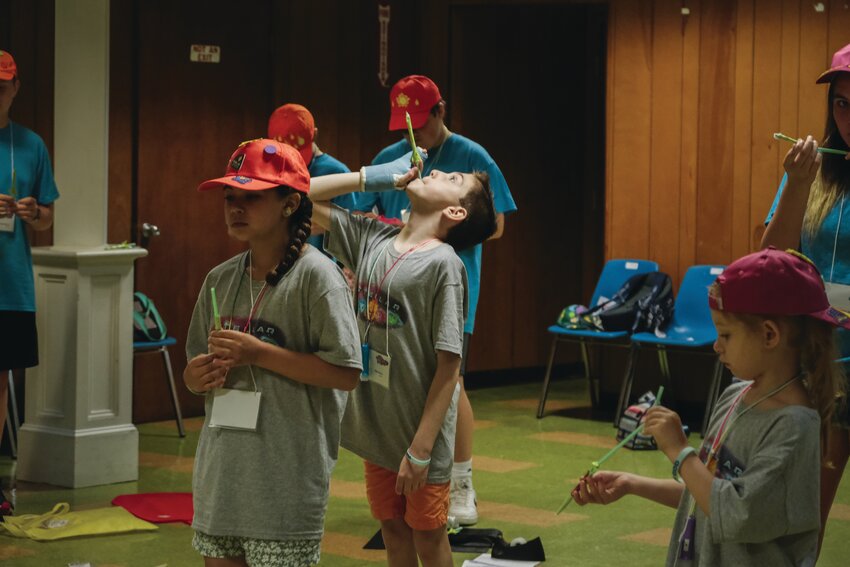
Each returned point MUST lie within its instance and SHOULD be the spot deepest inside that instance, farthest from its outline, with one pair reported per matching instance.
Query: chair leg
(167, 359)
(591, 383)
(546, 378)
(626, 388)
(664, 363)
(713, 392)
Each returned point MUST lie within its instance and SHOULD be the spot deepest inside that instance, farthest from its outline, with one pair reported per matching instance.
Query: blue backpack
(148, 326)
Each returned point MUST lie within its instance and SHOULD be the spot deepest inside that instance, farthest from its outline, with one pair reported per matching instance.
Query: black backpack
(643, 304)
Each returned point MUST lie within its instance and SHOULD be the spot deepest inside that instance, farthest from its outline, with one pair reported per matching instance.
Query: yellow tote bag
(61, 523)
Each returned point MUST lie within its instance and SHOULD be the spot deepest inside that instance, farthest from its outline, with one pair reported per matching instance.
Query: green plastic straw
(595, 465)
(781, 136)
(417, 159)
(216, 316)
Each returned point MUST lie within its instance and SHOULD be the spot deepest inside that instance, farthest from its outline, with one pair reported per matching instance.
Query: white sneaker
(462, 503)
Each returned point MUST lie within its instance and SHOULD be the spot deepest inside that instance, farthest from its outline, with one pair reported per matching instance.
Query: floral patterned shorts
(259, 552)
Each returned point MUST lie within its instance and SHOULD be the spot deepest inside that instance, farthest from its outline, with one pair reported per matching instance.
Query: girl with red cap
(273, 348)
(807, 215)
(749, 495)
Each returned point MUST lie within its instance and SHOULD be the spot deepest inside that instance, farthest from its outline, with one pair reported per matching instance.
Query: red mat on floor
(158, 507)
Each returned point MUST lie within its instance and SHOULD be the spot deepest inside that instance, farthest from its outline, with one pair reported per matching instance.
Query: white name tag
(379, 368)
(838, 295)
(7, 224)
(235, 409)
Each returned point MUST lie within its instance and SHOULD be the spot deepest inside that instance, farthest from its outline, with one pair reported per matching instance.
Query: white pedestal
(78, 430)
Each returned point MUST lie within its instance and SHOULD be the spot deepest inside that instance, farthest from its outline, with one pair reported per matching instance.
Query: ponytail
(300, 226)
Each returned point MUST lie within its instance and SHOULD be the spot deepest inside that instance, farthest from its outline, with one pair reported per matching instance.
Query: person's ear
(771, 333)
(441, 110)
(455, 213)
(315, 134)
(291, 203)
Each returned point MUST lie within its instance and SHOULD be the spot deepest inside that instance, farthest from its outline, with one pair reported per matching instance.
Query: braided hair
(300, 226)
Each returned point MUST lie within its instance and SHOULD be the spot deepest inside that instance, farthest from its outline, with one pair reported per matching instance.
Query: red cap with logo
(262, 164)
(8, 69)
(773, 282)
(417, 95)
(840, 64)
(293, 124)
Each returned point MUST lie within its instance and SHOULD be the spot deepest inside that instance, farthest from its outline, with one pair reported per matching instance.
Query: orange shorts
(426, 509)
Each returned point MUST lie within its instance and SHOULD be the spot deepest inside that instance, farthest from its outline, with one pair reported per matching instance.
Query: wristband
(683, 454)
(417, 462)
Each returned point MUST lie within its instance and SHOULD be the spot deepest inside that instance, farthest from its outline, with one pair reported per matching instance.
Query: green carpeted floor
(522, 467)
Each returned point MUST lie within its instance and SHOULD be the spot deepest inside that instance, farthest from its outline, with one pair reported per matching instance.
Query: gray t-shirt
(765, 497)
(424, 314)
(273, 483)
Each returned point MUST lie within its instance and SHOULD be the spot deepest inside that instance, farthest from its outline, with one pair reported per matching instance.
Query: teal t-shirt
(832, 241)
(457, 153)
(33, 178)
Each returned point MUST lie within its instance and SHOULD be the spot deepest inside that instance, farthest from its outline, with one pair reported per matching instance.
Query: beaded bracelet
(416, 461)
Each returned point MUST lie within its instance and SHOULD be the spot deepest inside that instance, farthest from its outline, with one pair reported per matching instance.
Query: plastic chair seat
(151, 345)
(588, 334)
(687, 337)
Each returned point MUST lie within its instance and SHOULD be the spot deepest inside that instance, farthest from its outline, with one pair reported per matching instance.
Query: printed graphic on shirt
(381, 311)
(262, 329)
(724, 465)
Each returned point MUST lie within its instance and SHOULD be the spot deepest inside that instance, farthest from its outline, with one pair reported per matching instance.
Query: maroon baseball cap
(773, 282)
(417, 95)
(263, 164)
(840, 64)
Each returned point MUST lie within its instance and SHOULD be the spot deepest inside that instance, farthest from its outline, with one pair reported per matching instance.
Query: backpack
(631, 419)
(147, 324)
(643, 303)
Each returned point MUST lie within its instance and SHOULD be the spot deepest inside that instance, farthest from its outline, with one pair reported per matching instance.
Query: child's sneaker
(462, 503)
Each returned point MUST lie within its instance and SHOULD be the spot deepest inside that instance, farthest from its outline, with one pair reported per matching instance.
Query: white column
(78, 430)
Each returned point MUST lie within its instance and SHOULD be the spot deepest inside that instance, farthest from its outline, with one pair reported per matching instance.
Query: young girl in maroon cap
(807, 215)
(276, 374)
(749, 495)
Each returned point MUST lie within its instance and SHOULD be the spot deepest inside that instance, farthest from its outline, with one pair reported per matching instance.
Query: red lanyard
(719, 437)
(394, 264)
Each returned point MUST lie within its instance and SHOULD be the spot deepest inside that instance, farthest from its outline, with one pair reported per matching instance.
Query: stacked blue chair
(140, 347)
(691, 329)
(613, 276)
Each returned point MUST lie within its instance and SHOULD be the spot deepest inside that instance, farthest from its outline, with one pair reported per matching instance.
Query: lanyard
(398, 262)
(433, 164)
(835, 244)
(13, 189)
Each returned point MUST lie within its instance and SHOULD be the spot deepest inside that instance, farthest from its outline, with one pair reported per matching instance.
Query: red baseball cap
(773, 282)
(263, 164)
(840, 64)
(416, 94)
(8, 69)
(293, 124)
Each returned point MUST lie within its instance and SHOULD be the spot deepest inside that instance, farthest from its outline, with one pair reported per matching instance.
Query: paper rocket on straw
(416, 160)
(595, 465)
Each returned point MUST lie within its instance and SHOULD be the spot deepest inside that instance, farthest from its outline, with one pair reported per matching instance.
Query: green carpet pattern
(523, 469)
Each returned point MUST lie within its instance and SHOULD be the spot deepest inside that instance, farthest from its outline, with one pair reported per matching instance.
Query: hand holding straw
(781, 136)
(595, 465)
(216, 315)
(416, 159)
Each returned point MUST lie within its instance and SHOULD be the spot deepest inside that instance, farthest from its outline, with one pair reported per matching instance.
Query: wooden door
(191, 116)
(528, 83)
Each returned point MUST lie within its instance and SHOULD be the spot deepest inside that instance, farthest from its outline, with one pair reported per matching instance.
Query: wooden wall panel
(716, 125)
(743, 69)
(628, 196)
(666, 125)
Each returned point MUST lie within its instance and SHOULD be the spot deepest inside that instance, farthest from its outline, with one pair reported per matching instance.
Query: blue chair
(142, 347)
(690, 329)
(613, 276)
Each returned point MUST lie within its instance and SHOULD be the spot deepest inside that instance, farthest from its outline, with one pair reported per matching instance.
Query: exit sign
(205, 54)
